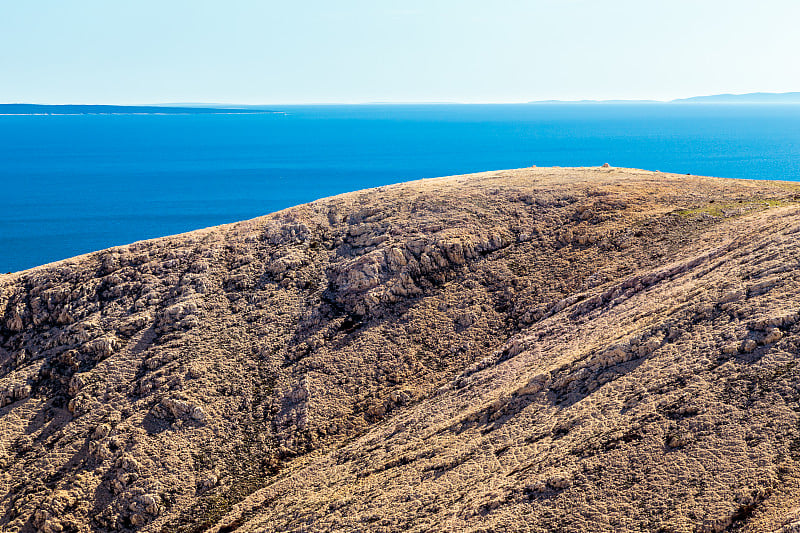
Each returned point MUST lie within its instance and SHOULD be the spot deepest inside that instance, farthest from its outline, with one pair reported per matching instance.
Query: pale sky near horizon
(266, 52)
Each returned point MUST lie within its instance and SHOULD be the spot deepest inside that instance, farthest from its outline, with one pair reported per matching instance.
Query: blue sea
(78, 183)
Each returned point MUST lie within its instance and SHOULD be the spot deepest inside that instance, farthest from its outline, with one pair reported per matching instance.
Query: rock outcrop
(528, 350)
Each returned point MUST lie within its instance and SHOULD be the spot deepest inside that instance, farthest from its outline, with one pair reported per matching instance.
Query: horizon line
(688, 100)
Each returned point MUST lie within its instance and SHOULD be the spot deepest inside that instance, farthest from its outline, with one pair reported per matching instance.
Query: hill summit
(542, 349)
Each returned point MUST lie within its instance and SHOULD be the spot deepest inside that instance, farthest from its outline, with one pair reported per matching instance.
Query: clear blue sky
(273, 52)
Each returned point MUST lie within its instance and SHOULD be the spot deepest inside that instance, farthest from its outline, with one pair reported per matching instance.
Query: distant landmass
(39, 109)
(214, 108)
(750, 98)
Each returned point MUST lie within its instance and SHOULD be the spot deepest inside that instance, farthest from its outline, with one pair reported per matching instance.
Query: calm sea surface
(74, 184)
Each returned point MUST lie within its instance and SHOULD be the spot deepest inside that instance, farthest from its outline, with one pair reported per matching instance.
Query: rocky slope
(528, 350)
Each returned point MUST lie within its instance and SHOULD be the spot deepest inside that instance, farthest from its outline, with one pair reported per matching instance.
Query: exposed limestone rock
(181, 409)
(535, 384)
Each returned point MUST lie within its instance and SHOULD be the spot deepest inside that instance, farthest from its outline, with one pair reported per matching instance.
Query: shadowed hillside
(526, 350)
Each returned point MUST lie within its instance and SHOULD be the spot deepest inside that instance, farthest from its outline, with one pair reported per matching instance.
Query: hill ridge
(574, 349)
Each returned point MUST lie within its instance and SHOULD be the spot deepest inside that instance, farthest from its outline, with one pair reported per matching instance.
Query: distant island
(39, 109)
(749, 98)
